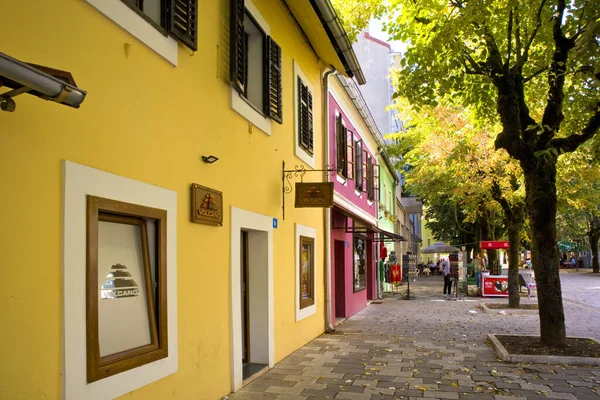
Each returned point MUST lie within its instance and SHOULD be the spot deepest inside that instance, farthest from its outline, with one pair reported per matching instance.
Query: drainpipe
(326, 211)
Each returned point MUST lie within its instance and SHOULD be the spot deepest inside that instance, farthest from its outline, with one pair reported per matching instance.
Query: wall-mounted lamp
(210, 159)
(46, 83)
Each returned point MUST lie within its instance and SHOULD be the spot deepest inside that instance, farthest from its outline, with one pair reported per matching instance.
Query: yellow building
(84, 189)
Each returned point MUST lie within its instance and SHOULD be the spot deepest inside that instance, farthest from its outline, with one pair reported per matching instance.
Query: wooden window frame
(137, 6)
(350, 154)
(181, 23)
(359, 166)
(341, 138)
(272, 86)
(370, 178)
(101, 209)
(311, 280)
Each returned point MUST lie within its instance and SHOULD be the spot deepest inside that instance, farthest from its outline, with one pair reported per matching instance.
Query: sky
(376, 30)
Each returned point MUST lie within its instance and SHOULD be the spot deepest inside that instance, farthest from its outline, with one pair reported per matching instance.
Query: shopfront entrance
(340, 279)
(251, 296)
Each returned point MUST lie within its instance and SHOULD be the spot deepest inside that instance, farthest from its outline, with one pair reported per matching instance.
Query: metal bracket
(298, 171)
(7, 103)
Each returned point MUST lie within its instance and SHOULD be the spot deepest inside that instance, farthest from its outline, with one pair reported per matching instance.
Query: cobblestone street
(436, 349)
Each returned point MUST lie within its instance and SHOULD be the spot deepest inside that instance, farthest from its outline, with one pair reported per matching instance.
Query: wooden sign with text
(314, 194)
(207, 206)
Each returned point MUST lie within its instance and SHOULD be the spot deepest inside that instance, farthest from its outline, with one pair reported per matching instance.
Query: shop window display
(307, 270)
(360, 265)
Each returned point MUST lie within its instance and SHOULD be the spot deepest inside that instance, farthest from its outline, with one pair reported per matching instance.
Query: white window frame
(79, 181)
(238, 103)
(299, 151)
(129, 20)
(302, 230)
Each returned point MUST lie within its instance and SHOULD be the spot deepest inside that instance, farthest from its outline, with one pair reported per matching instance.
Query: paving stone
(353, 396)
(575, 390)
(530, 386)
(253, 396)
(396, 346)
(284, 390)
(319, 393)
(348, 388)
(582, 384)
(566, 396)
(300, 378)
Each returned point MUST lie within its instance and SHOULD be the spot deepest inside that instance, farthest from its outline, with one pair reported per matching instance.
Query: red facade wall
(347, 189)
(345, 302)
(351, 302)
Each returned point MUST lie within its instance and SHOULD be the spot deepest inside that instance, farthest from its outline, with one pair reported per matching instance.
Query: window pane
(360, 265)
(122, 306)
(305, 272)
(152, 8)
(255, 48)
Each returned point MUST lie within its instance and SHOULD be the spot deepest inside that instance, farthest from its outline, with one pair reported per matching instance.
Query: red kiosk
(494, 285)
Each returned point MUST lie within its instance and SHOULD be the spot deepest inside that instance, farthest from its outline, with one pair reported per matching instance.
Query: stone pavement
(427, 348)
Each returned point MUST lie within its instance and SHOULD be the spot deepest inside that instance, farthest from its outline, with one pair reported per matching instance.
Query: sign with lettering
(488, 244)
(207, 206)
(119, 283)
(314, 194)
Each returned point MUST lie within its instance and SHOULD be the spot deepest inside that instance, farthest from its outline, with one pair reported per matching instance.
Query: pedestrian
(573, 262)
(477, 270)
(447, 281)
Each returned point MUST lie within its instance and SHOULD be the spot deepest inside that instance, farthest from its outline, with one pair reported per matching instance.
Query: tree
(456, 172)
(537, 62)
(578, 184)
(356, 14)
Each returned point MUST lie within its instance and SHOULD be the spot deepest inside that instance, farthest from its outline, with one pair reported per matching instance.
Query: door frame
(263, 225)
(339, 272)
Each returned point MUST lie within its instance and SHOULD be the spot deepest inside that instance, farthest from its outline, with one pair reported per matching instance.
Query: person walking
(447, 281)
(477, 269)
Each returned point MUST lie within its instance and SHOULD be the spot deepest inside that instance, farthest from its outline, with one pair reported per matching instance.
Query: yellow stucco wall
(146, 120)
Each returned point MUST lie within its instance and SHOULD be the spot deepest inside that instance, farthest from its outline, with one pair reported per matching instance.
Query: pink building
(353, 149)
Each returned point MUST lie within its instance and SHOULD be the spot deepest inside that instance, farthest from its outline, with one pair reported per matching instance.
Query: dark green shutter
(370, 178)
(358, 165)
(274, 87)
(340, 149)
(237, 46)
(310, 131)
(183, 24)
(350, 154)
(305, 117)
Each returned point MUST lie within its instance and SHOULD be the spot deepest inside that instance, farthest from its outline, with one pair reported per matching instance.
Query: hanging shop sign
(492, 245)
(207, 206)
(314, 194)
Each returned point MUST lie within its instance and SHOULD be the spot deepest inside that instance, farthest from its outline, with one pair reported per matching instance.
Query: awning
(389, 237)
(359, 225)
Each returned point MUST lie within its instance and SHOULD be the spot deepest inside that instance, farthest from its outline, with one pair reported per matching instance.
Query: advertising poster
(495, 285)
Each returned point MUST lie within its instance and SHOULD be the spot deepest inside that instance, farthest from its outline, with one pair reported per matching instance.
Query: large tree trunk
(540, 185)
(514, 287)
(594, 236)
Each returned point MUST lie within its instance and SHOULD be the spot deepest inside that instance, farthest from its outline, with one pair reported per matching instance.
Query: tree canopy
(532, 65)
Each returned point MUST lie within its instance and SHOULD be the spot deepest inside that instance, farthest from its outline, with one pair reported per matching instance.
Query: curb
(507, 310)
(540, 359)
